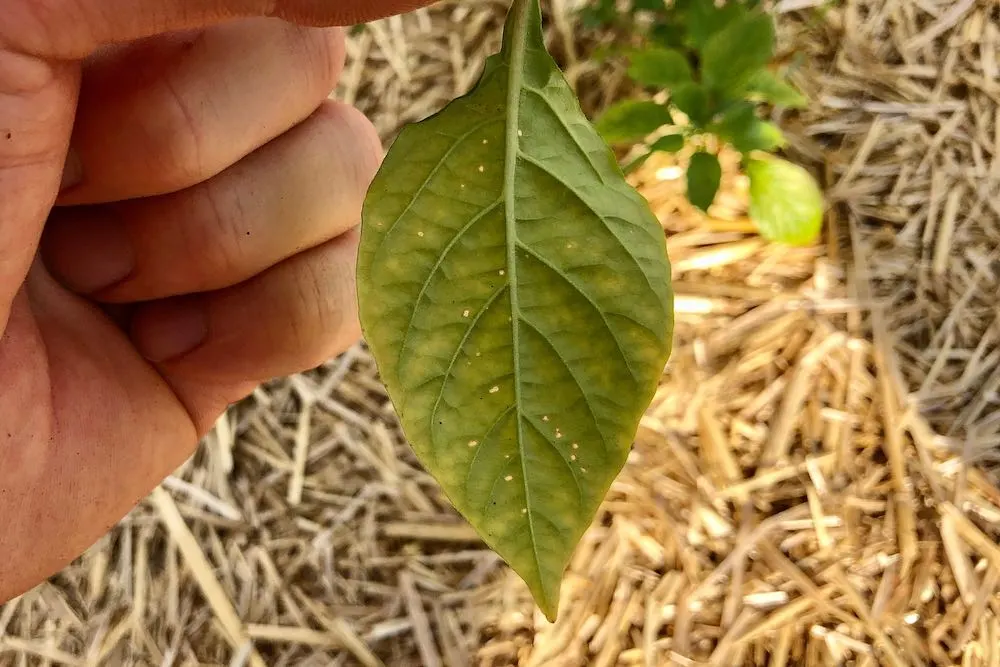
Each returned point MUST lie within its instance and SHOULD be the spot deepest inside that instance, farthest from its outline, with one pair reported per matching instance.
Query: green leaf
(631, 121)
(786, 203)
(767, 86)
(670, 143)
(515, 293)
(734, 55)
(704, 20)
(692, 100)
(663, 68)
(741, 128)
(704, 175)
(668, 33)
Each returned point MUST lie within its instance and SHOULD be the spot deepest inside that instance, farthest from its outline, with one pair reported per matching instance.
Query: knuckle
(220, 246)
(324, 52)
(355, 139)
(181, 149)
(323, 316)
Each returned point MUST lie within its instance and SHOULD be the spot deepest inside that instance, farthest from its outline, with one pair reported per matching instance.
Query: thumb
(37, 107)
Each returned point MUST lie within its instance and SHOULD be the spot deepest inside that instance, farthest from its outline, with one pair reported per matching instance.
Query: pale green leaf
(515, 293)
(767, 86)
(786, 203)
(631, 121)
(704, 175)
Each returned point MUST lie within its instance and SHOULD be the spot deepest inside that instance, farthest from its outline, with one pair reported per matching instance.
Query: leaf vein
(562, 121)
(482, 444)
(590, 300)
(458, 350)
(437, 265)
(415, 197)
(579, 385)
(562, 457)
(569, 188)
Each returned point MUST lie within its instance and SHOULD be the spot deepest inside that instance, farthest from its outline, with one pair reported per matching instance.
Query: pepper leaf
(704, 175)
(746, 132)
(670, 143)
(663, 68)
(734, 54)
(767, 86)
(786, 203)
(515, 293)
(631, 121)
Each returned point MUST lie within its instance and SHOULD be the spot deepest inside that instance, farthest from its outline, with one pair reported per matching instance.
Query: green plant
(713, 63)
(515, 293)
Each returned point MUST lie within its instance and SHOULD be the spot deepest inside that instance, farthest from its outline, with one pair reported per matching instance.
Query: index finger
(73, 29)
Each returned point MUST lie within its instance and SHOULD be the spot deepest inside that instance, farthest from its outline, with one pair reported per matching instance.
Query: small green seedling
(713, 63)
(515, 292)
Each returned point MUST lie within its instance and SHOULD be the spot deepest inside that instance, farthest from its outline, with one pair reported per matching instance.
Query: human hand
(203, 240)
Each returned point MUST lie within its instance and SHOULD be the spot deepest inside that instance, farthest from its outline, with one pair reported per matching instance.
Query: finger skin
(73, 29)
(86, 434)
(172, 111)
(289, 319)
(37, 101)
(73, 466)
(299, 191)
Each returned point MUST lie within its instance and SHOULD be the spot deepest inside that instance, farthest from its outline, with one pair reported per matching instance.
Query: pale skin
(179, 204)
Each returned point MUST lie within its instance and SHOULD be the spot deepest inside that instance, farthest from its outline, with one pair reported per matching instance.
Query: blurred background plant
(708, 70)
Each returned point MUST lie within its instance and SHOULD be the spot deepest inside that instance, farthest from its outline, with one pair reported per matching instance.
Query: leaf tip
(546, 597)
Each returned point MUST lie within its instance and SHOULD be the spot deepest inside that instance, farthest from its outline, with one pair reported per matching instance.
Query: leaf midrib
(515, 74)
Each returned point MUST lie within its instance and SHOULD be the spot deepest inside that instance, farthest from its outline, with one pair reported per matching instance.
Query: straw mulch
(793, 496)
(907, 123)
(783, 505)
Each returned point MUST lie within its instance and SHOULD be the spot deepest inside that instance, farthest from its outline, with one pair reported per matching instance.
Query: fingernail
(171, 329)
(72, 171)
(88, 250)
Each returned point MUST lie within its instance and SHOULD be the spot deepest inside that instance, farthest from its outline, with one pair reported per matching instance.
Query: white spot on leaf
(420, 234)
(466, 312)
(509, 478)
(494, 389)
(575, 446)
(473, 443)
(482, 169)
